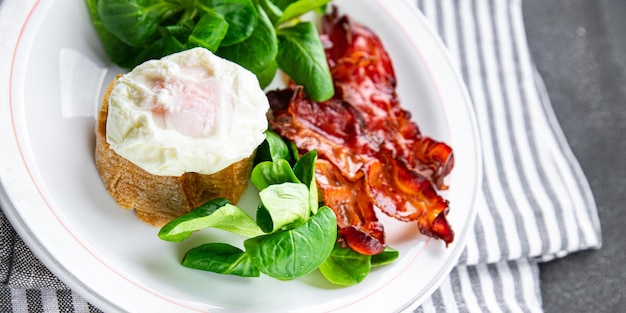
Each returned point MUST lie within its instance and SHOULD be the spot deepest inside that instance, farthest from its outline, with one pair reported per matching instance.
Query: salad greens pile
(260, 35)
(291, 234)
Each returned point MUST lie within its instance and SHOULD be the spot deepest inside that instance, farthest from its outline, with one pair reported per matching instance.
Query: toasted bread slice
(159, 199)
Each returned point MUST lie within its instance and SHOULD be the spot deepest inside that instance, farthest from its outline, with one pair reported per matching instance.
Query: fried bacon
(371, 155)
(356, 219)
(364, 77)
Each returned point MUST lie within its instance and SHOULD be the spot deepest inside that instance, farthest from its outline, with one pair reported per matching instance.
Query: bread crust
(159, 199)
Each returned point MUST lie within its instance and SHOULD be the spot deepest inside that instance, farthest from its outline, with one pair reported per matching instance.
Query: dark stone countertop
(579, 47)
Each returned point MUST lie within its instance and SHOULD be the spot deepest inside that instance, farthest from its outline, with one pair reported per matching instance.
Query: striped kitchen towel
(535, 203)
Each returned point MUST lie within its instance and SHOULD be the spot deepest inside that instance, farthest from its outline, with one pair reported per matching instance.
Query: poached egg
(191, 111)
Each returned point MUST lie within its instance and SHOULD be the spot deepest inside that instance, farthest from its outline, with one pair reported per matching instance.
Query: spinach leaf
(135, 22)
(292, 253)
(266, 75)
(167, 45)
(273, 148)
(209, 32)
(119, 52)
(304, 169)
(272, 10)
(278, 147)
(387, 256)
(181, 31)
(297, 8)
(221, 258)
(247, 32)
(282, 4)
(302, 57)
(217, 213)
(257, 51)
(267, 173)
(264, 219)
(345, 266)
(286, 204)
(240, 15)
(295, 153)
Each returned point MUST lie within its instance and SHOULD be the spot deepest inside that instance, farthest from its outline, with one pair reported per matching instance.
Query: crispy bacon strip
(364, 77)
(371, 155)
(408, 196)
(329, 127)
(358, 225)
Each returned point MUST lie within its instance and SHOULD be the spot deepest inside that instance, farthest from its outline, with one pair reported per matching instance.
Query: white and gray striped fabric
(535, 203)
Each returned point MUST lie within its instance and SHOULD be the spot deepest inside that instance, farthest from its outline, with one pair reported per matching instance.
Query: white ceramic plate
(53, 195)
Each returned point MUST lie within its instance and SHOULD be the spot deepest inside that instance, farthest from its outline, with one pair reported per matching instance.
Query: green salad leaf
(290, 237)
(292, 253)
(258, 51)
(273, 148)
(283, 4)
(209, 32)
(345, 266)
(260, 35)
(119, 52)
(274, 13)
(134, 22)
(221, 258)
(285, 205)
(301, 55)
(217, 213)
(267, 173)
(154, 49)
(240, 15)
(388, 255)
(304, 169)
(296, 9)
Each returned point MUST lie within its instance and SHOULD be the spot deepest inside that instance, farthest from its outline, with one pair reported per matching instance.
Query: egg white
(236, 123)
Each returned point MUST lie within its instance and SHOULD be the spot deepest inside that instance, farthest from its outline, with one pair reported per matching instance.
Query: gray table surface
(579, 47)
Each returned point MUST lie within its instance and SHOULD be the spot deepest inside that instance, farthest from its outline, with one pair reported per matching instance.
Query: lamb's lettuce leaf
(217, 213)
(292, 253)
(243, 31)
